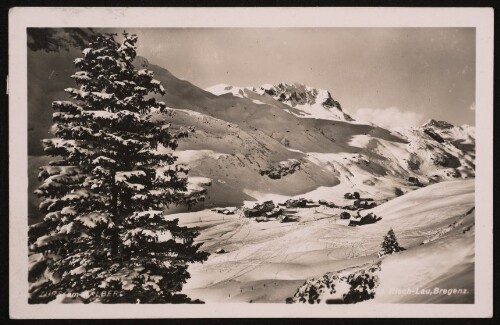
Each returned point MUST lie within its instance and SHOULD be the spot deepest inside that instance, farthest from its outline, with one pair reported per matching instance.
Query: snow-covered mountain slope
(441, 151)
(300, 100)
(345, 157)
(243, 133)
(268, 262)
(222, 89)
(233, 157)
(463, 137)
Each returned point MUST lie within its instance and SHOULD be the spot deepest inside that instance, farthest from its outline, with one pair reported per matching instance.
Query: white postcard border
(21, 18)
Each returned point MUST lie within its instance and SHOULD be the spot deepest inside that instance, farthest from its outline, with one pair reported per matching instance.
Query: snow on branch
(91, 220)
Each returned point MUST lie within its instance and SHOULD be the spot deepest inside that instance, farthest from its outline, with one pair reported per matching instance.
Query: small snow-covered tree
(390, 244)
(104, 236)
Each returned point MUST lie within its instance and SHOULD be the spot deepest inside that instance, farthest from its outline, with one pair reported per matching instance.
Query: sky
(389, 76)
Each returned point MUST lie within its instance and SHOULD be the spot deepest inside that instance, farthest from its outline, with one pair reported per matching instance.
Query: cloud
(389, 118)
(473, 106)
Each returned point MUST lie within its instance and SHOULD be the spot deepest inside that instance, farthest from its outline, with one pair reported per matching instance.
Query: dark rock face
(398, 191)
(445, 160)
(299, 94)
(330, 102)
(414, 181)
(453, 173)
(434, 135)
(438, 124)
(413, 163)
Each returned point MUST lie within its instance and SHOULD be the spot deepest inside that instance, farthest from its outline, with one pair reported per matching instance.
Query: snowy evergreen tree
(104, 235)
(390, 244)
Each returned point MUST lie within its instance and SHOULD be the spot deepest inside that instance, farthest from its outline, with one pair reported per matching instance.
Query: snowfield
(269, 261)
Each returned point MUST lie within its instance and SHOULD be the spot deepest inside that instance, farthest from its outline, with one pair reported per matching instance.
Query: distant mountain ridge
(305, 101)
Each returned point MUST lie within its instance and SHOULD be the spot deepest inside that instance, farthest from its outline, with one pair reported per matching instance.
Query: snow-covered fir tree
(390, 244)
(104, 236)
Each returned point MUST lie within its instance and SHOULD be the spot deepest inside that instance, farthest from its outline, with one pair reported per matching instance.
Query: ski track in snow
(320, 243)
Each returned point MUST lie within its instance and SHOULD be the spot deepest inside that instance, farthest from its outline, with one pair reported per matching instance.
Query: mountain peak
(304, 101)
(310, 102)
(299, 94)
(438, 124)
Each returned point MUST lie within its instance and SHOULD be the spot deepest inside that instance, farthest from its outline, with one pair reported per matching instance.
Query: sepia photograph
(253, 166)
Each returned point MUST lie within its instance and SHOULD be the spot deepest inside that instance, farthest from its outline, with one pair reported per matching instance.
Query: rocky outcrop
(434, 135)
(298, 96)
(414, 181)
(445, 160)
